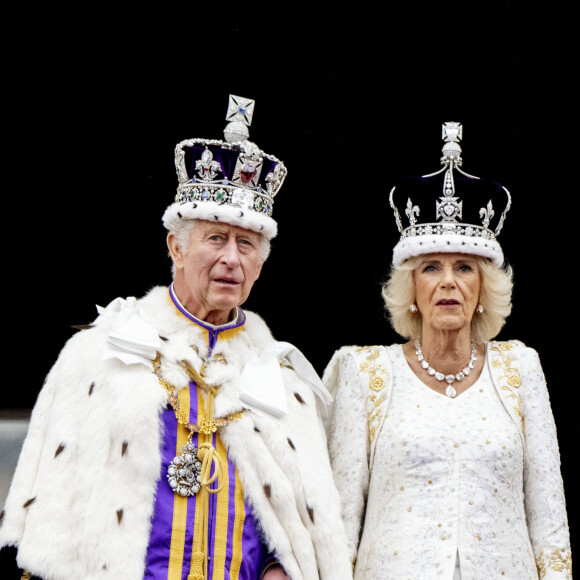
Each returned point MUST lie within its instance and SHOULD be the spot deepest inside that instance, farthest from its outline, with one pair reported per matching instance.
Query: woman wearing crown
(444, 448)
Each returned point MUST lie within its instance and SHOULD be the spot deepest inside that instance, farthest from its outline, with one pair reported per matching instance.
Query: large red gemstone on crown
(247, 172)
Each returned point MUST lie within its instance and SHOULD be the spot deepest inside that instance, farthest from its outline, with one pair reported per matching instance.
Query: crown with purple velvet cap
(230, 181)
(449, 210)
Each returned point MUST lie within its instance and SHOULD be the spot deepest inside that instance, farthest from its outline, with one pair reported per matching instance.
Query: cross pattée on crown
(240, 109)
(452, 132)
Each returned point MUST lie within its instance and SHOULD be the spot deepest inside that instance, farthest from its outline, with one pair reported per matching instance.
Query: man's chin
(226, 302)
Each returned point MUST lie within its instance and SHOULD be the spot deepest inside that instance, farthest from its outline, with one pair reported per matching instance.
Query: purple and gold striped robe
(235, 550)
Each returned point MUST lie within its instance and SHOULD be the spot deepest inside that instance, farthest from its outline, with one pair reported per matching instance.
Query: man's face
(218, 271)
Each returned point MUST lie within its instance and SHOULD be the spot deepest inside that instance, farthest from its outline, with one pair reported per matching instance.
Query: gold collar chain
(208, 425)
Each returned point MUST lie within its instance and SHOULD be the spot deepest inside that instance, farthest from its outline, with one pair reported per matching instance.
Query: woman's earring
(413, 308)
(479, 308)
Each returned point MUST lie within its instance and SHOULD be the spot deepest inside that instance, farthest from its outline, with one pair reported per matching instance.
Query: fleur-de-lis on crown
(206, 167)
(486, 214)
(412, 212)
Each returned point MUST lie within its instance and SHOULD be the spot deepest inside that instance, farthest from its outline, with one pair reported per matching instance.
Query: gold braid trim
(511, 378)
(377, 383)
(556, 561)
(197, 567)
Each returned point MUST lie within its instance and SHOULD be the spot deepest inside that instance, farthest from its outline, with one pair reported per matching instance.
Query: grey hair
(495, 297)
(183, 229)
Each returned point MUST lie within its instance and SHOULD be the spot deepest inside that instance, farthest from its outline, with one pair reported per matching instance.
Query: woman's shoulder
(512, 347)
(368, 360)
(514, 356)
(357, 349)
(368, 352)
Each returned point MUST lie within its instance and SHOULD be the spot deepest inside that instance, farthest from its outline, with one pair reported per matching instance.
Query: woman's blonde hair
(495, 297)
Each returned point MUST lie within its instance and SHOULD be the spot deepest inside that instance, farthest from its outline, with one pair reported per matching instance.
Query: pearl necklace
(449, 391)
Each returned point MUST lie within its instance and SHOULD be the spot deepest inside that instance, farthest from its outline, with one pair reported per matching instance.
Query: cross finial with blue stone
(240, 109)
(239, 115)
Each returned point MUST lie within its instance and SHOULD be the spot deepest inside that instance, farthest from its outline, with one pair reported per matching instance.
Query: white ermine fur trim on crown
(214, 212)
(447, 243)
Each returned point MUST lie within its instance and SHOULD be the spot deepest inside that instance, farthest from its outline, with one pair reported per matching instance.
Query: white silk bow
(262, 383)
(132, 338)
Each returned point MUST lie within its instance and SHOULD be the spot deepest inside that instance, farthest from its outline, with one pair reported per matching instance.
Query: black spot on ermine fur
(299, 398)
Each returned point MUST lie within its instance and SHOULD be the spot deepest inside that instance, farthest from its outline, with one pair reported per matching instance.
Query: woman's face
(447, 288)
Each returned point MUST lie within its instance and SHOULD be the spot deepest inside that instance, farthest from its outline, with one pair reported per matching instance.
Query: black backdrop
(348, 97)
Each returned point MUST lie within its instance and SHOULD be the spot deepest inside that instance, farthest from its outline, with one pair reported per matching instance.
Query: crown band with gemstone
(225, 194)
(471, 231)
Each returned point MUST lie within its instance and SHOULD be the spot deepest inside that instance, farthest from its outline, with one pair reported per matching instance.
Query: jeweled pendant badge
(184, 472)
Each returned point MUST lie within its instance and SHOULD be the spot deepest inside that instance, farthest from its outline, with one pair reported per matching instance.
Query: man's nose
(231, 253)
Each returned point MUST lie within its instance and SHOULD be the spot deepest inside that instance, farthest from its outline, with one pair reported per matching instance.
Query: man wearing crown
(174, 437)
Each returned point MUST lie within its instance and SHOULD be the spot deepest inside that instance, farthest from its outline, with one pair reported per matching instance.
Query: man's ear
(175, 250)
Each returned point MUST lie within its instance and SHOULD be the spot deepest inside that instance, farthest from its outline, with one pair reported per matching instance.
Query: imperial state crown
(229, 180)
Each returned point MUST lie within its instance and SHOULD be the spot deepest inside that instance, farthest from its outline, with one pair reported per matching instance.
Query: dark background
(95, 99)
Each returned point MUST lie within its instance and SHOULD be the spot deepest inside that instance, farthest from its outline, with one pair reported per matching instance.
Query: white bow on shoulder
(132, 338)
(262, 383)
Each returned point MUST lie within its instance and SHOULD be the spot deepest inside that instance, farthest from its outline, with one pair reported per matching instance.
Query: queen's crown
(449, 210)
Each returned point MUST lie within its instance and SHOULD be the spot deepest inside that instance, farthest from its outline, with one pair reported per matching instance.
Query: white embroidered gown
(445, 498)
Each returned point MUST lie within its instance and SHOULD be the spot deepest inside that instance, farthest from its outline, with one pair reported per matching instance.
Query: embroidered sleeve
(543, 487)
(348, 446)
